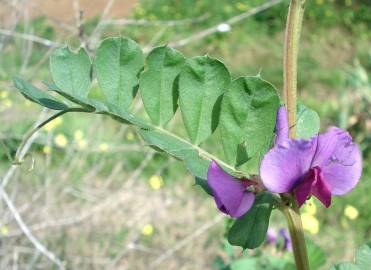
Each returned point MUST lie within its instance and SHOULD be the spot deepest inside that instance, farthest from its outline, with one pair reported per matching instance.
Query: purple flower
(272, 236)
(287, 239)
(230, 194)
(325, 165)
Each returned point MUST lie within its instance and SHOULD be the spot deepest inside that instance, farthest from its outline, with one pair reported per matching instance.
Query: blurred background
(96, 197)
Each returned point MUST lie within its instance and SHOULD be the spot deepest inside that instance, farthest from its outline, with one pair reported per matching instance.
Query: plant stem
(297, 237)
(292, 36)
(38, 127)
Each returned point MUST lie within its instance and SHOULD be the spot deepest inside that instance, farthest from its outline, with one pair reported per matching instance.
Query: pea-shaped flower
(325, 165)
(230, 194)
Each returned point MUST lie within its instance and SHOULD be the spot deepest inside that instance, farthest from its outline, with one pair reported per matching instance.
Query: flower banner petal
(286, 163)
(282, 125)
(340, 160)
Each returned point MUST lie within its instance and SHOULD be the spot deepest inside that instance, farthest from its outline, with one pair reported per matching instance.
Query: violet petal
(321, 189)
(313, 183)
(340, 160)
(282, 125)
(286, 163)
(230, 194)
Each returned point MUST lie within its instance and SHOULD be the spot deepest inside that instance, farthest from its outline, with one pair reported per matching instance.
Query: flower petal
(246, 203)
(230, 194)
(340, 160)
(286, 163)
(322, 190)
(313, 183)
(286, 236)
(282, 125)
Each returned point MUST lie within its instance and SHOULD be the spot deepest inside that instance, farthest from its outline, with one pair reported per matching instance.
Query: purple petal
(230, 194)
(282, 125)
(313, 183)
(304, 188)
(286, 163)
(272, 235)
(340, 160)
(286, 236)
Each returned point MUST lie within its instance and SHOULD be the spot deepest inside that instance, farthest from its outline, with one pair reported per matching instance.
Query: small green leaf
(248, 119)
(179, 149)
(250, 230)
(204, 185)
(118, 63)
(201, 85)
(38, 96)
(71, 71)
(308, 122)
(158, 83)
(363, 257)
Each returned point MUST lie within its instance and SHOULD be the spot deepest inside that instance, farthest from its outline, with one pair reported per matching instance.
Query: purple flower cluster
(327, 164)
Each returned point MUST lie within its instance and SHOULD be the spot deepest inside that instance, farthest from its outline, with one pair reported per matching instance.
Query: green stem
(292, 37)
(30, 133)
(297, 237)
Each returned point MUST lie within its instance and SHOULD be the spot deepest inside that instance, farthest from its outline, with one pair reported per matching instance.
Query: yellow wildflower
(130, 136)
(4, 94)
(319, 2)
(7, 103)
(351, 212)
(60, 140)
(53, 124)
(78, 135)
(47, 149)
(156, 182)
(4, 230)
(103, 147)
(27, 103)
(147, 230)
(82, 144)
(310, 207)
(310, 223)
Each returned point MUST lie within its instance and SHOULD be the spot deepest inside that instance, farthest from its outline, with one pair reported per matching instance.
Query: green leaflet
(119, 114)
(363, 257)
(38, 96)
(71, 71)
(158, 83)
(250, 230)
(201, 85)
(179, 149)
(308, 122)
(82, 101)
(248, 118)
(118, 63)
